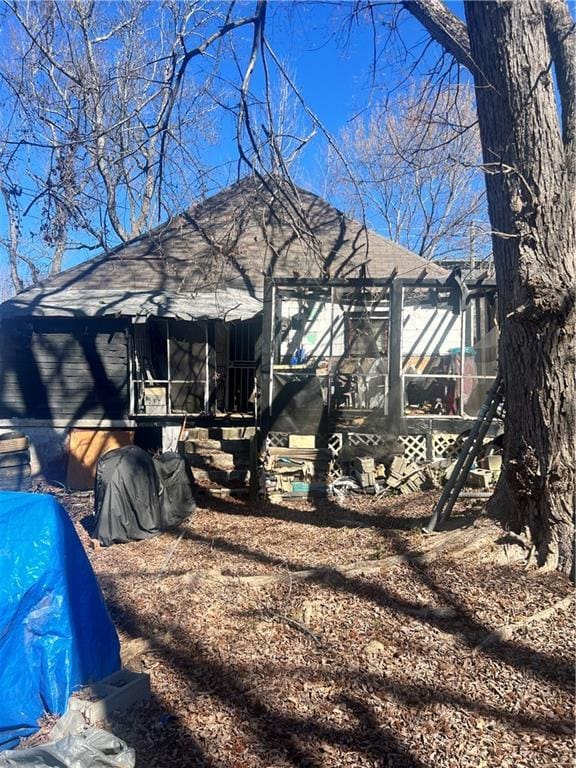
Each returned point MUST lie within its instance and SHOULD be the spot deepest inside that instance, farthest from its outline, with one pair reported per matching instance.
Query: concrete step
(218, 460)
(235, 478)
(220, 433)
(241, 446)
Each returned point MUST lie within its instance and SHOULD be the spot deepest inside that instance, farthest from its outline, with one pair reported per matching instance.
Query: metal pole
(272, 351)
(206, 369)
(168, 368)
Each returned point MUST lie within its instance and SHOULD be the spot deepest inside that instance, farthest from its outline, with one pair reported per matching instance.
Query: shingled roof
(223, 245)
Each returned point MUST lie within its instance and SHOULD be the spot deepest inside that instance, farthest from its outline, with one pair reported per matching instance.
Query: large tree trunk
(530, 198)
(512, 47)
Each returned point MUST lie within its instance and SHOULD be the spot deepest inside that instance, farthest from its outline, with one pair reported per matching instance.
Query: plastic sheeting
(73, 745)
(55, 631)
(138, 496)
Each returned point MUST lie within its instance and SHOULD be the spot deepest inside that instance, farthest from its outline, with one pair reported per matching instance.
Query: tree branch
(446, 28)
(561, 33)
(13, 237)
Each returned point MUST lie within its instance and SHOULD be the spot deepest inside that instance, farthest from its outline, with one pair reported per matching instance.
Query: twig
(169, 556)
(507, 630)
(294, 624)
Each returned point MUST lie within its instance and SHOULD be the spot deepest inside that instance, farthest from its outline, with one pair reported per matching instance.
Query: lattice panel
(335, 444)
(446, 446)
(358, 438)
(277, 440)
(414, 447)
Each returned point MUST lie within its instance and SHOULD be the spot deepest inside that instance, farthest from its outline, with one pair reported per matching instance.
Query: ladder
(468, 454)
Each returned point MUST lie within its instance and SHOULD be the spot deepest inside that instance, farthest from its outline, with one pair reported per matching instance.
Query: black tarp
(299, 404)
(138, 496)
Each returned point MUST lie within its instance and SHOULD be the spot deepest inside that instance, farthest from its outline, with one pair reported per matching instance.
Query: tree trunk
(530, 199)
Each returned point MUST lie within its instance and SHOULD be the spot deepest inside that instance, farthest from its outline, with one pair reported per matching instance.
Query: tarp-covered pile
(137, 496)
(55, 631)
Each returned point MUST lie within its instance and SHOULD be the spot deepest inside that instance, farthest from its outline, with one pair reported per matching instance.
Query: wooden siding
(60, 368)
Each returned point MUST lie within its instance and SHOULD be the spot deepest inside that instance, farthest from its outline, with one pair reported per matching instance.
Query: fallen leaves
(366, 662)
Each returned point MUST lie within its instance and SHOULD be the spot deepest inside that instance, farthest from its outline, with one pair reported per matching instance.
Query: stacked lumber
(364, 471)
(297, 470)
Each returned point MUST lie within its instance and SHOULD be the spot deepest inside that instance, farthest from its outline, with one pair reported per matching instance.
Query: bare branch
(561, 32)
(445, 27)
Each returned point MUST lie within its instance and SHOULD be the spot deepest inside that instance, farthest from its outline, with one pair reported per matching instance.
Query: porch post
(206, 369)
(266, 365)
(395, 394)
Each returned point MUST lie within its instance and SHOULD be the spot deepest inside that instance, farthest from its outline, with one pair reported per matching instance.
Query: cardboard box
(156, 399)
(301, 441)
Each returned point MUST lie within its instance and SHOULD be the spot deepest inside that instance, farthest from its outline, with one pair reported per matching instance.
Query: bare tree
(527, 126)
(523, 59)
(116, 114)
(416, 159)
(102, 129)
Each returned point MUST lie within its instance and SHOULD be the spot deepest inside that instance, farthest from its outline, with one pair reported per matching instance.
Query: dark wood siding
(59, 369)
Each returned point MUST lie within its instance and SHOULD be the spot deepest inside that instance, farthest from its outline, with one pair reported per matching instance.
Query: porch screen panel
(299, 402)
(187, 366)
(449, 351)
(301, 346)
(360, 369)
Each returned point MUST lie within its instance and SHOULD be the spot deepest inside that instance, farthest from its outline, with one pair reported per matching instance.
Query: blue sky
(330, 57)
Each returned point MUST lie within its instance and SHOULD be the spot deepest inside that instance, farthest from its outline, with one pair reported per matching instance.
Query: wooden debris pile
(405, 476)
(298, 470)
(401, 475)
(364, 471)
(303, 469)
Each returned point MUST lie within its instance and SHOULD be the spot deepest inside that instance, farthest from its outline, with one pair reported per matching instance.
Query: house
(181, 323)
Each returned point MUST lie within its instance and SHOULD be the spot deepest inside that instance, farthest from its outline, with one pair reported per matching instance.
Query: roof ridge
(225, 236)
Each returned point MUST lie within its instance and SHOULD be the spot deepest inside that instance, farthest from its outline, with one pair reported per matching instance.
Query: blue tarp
(55, 631)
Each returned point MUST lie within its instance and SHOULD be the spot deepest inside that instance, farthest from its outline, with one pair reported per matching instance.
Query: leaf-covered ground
(347, 670)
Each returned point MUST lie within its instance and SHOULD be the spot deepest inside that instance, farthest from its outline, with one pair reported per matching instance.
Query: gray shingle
(231, 240)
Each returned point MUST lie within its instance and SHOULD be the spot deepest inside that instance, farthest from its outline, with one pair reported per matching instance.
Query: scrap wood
(182, 429)
(402, 474)
(453, 544)
(299, 453)
(507, 630)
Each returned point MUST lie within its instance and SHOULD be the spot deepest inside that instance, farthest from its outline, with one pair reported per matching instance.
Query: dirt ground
(370, 666)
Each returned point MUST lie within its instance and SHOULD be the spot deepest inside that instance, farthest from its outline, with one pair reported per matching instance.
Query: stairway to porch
(220, 457)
